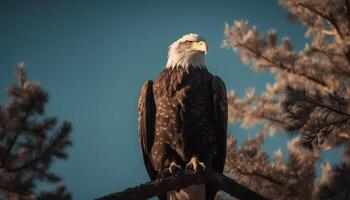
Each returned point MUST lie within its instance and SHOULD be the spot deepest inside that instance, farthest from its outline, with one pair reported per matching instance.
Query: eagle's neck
(185, 60)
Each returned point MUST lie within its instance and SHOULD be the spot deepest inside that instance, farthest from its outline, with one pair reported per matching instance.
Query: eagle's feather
(183, 113)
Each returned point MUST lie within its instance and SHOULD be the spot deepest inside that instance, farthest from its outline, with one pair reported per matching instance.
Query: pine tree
(29, 143)
(310, 100)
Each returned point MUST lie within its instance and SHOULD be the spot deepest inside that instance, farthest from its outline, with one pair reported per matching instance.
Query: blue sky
(93, 56)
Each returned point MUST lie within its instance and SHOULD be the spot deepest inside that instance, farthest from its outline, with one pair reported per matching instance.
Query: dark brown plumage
(182, 114)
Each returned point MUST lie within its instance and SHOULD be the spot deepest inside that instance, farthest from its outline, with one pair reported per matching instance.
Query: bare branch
(182, 180)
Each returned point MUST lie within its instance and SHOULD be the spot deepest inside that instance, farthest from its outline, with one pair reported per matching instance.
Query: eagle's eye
(187, 43)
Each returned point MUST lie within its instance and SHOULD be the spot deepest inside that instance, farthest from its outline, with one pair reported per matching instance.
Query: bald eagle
(182, 118)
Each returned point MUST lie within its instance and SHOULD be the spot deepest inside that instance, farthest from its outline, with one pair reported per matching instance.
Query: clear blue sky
(93, 56)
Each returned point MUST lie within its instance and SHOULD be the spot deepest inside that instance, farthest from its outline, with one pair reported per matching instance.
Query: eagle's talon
(195, 166)
(173, 168)
(203, 166)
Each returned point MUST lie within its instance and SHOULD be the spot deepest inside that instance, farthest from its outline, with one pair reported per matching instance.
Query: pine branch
(280, 65)
(60, 140)
(181, 180)
(15, 191)
(23, 121)
(259, 175)
(28, 145)
(328, 16)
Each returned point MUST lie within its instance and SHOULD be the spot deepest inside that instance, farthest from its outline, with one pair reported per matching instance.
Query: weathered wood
(181, 180)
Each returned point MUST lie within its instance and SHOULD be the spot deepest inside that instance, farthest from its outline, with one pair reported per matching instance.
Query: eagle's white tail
(192, 192)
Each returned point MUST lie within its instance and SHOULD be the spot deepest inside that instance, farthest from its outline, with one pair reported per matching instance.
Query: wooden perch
(182, 180)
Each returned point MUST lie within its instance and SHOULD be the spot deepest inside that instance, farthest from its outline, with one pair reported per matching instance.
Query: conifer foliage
(310, 99)
(29, 143)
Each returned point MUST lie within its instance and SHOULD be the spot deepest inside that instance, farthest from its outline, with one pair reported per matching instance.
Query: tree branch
(22, 123)
(328, 16)
(182, 180)
(260, 175)
(280, 65)
(15, 191)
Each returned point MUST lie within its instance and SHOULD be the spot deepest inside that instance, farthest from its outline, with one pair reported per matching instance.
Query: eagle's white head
(187, 51)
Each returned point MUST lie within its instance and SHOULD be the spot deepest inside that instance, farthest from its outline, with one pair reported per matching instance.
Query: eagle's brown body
(181, 115)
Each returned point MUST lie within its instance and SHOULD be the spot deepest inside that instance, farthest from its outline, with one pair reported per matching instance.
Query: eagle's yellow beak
(200, 46)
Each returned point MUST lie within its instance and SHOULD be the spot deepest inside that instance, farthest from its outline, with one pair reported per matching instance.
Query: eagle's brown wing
(220, 114)
(220, 110)
(146, 120)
